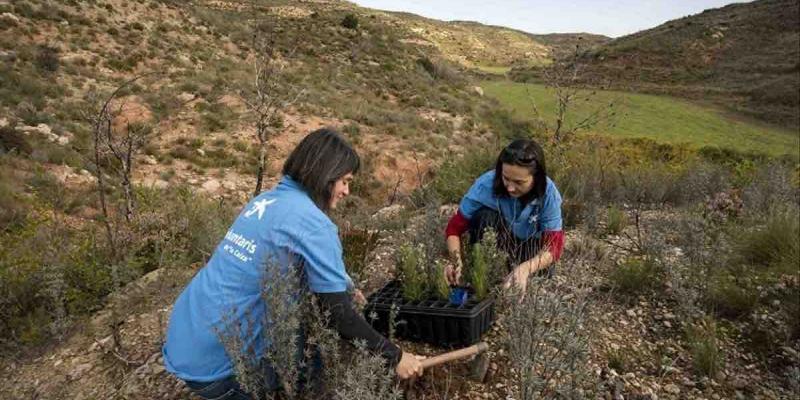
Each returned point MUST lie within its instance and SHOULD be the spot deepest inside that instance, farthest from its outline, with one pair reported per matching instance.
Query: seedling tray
(433, 321)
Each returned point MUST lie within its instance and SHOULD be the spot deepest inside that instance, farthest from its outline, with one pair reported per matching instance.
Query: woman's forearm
(454, 247)
(539, 262)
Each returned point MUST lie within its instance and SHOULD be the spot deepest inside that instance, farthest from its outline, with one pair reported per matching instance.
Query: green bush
(350, 21)
(357, 244)
(617, 221)
(773, 246)
(50, 273)
(635, 276)
(729, 298)
(703, 342)
(411, 265)
(47, 59)
(456, 175)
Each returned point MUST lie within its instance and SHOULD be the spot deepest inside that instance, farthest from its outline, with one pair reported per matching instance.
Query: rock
(149, 160)
(63, 140)
(9, 17)
(78, 371)
(373, 64)
(3, 122)
(211, 185)
(201, 152)
(186, 97)
(478, 90)
(388, 212)
(43, 129)
(672, 388)
(631, 313)
(8, 56)
(739, 383)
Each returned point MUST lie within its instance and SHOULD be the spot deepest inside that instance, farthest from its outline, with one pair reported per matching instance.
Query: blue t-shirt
(283, 224)
(525, 220)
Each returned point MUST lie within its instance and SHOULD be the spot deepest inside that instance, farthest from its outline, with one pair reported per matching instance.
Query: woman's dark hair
(319, 161)
(524, 153)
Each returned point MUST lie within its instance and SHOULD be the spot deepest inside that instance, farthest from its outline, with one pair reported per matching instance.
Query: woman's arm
(550, 253)
(457, 225)
(351, 326)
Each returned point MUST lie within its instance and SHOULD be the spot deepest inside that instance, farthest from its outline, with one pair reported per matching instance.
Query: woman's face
(517, 180)
(341, 188)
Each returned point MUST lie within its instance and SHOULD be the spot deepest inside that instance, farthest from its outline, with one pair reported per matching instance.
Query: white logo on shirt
(259, 207)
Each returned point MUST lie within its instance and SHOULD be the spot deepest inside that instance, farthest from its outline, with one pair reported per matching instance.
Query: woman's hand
(519, 278)
(452, 271)
(409, 366)
(359, 299)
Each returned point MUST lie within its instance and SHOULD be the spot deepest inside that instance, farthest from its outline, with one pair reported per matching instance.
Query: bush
(411, 265)
(51, 272)
(635, 276)
(617, 221)
(350, 21)
(773, 246)
(455, 176)
(12, 140)
(707, 357)
(357, 244)
(47, 59)
(729, 298)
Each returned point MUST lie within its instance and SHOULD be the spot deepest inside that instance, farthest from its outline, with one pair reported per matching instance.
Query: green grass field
(661, 118)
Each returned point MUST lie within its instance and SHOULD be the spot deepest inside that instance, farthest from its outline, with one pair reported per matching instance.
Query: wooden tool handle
(455, 355)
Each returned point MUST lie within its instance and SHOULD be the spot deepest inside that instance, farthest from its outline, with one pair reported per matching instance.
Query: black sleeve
(350, 325)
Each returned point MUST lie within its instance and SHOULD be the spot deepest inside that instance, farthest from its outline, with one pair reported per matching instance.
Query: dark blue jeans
(517, 250)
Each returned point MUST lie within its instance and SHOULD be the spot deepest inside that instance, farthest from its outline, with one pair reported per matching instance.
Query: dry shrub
(547, 337)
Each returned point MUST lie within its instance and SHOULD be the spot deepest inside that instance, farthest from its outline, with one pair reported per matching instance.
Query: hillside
(565, 44)
(474, 45)
(196, 60)
(744, 56)
(679, 277)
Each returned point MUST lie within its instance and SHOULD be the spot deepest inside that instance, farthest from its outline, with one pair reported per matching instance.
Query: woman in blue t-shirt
(287, 225)
(519, 201)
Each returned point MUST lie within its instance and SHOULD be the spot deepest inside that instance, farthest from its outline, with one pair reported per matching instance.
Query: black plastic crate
(431, 321)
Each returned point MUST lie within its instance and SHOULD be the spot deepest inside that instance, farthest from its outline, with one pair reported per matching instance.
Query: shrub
(775, 245)
(47, 59)
(357, 245)
(441, 289)
(456, 175)
(703, 342)
(634, 276)
(12, 140)
(729, 298)
(479, 271)
(350, 21)
(617, 360)
(546, 337)
(617, 221)
(411, 264)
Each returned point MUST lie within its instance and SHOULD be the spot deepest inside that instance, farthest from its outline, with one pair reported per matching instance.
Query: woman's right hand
(409, 366)
(452, 271)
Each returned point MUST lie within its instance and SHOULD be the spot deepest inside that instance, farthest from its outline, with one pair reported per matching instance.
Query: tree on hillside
(116, 141)
(564, 78)
(268, 95)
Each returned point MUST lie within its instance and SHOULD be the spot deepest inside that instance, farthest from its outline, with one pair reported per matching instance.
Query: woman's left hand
(359, 298)
(519, 278)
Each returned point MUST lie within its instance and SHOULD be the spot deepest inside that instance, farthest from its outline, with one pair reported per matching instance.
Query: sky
(606, 17)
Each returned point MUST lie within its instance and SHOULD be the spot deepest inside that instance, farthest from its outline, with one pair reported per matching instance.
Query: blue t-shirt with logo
(282, 225)
(525, 220)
